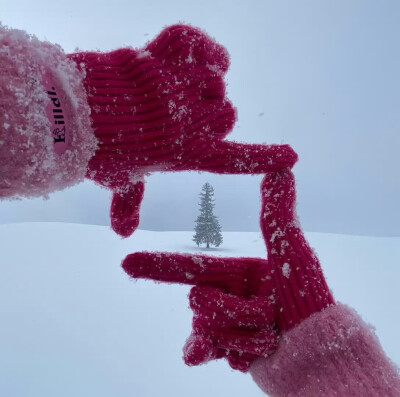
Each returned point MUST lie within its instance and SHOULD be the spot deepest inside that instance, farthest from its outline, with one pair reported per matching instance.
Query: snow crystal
(135, 178)
(277, 233)
(286, 270)
(189, 276)
(171, 106)
(198, 261)
(214, 68)
(240, 164)
(284, 245)
(144, 54)
(189, 59)
(181, 111)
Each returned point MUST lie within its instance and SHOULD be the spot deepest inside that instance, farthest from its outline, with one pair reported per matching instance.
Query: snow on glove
(325, 349)
(300, 285)
(164, 108)
(233, 303)
(115, 117)
(317, 347)
(277, 297)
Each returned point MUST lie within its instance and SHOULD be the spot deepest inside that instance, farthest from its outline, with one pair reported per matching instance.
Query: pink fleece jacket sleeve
(332, 353)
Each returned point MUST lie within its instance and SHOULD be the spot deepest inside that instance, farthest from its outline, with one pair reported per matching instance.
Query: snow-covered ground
(73, 324)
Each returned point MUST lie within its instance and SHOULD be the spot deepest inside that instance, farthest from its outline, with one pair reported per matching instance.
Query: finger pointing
(240, 276)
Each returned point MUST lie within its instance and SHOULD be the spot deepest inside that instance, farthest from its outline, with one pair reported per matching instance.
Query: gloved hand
(235, 311)
(276, 319)
(241, 305)
(164, 108)
(115, 117)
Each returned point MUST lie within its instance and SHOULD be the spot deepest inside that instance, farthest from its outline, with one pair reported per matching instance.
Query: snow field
(74, 324)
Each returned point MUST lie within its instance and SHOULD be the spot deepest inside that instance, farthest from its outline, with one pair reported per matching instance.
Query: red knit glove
(164, 108)
(276, 319)
(300, 285)
(242, 304)
(234, 306)
(324, 349)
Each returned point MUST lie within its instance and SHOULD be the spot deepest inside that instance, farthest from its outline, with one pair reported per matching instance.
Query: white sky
(319, 75)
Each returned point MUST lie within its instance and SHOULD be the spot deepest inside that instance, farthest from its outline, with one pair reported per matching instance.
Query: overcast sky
(322, 76)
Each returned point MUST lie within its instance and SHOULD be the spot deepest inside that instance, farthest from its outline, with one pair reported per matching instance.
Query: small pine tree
(208, 229)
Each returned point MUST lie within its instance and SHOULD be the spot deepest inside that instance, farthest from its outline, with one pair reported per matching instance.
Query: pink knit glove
(164, 108)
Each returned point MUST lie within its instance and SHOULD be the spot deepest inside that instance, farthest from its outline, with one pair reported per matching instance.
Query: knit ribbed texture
(241, 304)
(332, 353)
(277, 317)
(164, 108)
(244, 277)
(232, 324)
(233, 304)
(300, 284)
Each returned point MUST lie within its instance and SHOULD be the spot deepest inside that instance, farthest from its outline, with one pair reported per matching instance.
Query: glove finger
(240, 276)
(240, 362)
(125, 208)
(300, 284)
(259, 342)
(223, 310)
(187, 47)
(237, 158)
(199, 350)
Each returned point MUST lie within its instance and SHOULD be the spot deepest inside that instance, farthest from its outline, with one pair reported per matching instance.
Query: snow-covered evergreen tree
(208, 229)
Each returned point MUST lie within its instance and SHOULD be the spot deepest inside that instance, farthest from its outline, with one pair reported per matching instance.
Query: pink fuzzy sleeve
(332, 353)
(43, 106)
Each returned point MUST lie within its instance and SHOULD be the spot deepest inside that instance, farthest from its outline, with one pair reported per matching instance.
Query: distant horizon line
(189, 231)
